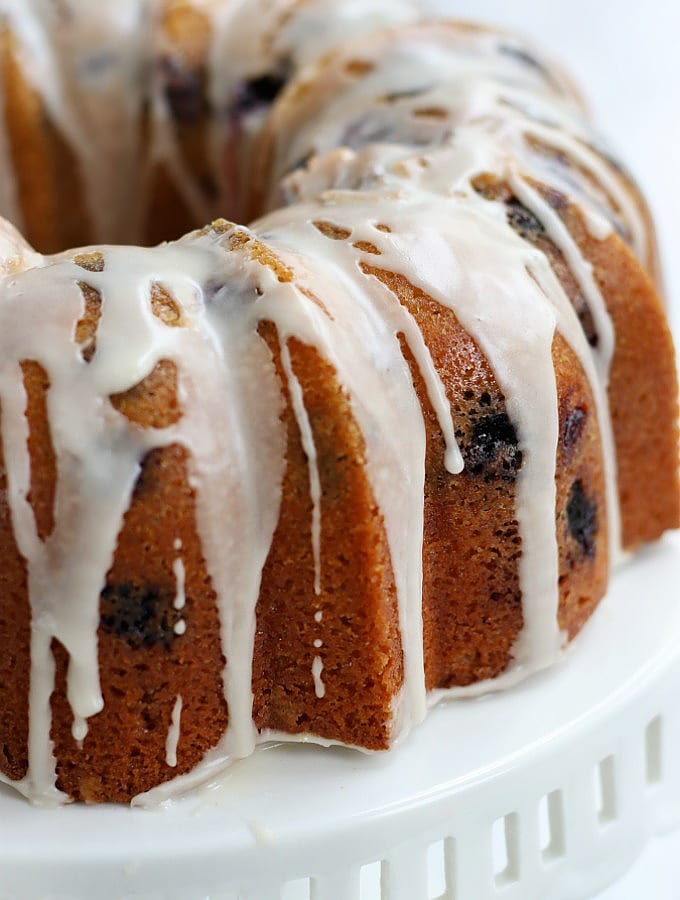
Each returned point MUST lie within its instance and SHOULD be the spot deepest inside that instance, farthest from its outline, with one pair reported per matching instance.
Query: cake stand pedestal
(549, 790)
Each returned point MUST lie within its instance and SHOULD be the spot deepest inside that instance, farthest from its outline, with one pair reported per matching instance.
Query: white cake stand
(549, 790)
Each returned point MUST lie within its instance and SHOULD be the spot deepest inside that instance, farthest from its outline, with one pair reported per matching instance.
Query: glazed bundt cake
(300, 480)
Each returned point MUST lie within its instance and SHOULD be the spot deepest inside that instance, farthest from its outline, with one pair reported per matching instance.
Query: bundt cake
(300, 480)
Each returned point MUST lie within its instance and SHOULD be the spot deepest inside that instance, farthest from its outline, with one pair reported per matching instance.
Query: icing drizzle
(391, 191)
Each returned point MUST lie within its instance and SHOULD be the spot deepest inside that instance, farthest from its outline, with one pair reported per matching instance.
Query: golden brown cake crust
(643, 390)
(15, 638)
(357, 604)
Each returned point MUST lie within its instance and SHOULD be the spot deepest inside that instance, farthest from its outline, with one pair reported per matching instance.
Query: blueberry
(585, 317)
(142, 616)
(301, 163)
(493, 450)
(522, 220)
(257, 93)
(582, 518)
(184, 91)
(573, 427)
(524, 57)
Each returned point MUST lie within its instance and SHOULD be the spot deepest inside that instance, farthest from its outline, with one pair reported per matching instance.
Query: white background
(626, 57)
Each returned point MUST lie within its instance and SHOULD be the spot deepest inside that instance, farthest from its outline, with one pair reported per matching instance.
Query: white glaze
(319, 686)
(96, 67)
(174, 733)
(307, 438)
(87, 62)
(180, 578)
(582, 271)
(467, 79)
(443, 237)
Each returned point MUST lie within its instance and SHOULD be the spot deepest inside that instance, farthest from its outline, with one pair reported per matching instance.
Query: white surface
(294, 811)
(655, 876)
